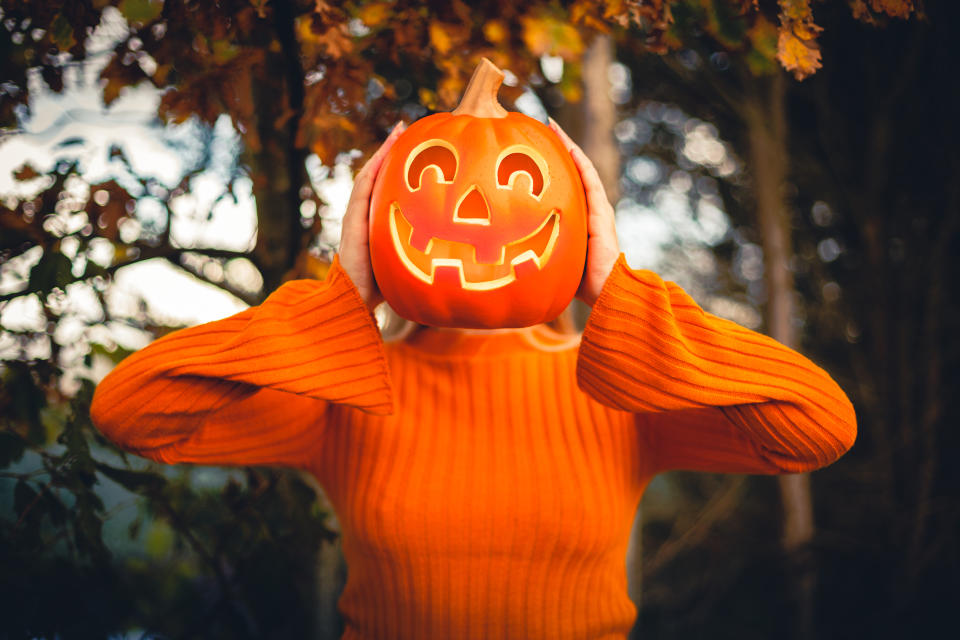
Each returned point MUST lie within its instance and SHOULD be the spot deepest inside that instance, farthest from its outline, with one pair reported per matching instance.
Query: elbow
(824, 443)
(838, 434)
(122, 423)
(104, 412)
(115, 413)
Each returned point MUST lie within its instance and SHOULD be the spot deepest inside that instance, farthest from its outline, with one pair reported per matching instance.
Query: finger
(588, 172)
(373, 164)
(600, 211)
(365, 178)
(564, 137)
(592, 183)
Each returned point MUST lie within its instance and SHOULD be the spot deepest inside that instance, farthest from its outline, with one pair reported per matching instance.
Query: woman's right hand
(355, 232)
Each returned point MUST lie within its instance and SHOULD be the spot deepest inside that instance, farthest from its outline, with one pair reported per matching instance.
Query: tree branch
(251, 299)
(172, 254)
(719, 505)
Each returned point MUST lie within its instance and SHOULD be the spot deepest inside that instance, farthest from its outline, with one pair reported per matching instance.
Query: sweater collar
(489, 342)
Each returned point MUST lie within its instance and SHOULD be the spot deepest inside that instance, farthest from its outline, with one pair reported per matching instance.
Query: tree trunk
(277, 166)
(275, 160)
(767, 139)
(598, 116)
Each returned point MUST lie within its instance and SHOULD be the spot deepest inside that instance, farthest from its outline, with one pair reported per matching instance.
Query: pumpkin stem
(480, 98)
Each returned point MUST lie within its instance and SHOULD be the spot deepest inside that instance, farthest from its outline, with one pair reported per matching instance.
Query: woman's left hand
(354, 237)
(603, 249)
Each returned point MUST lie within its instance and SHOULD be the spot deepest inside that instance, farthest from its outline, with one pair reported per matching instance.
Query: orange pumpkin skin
(478, 222)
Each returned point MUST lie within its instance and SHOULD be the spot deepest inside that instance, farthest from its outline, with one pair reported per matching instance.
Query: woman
(485, 481)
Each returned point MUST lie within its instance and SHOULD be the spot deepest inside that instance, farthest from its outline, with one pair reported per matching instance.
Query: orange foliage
(350, 58)
(797, 49)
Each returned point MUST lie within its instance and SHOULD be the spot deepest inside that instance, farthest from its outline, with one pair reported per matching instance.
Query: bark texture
(766, 121)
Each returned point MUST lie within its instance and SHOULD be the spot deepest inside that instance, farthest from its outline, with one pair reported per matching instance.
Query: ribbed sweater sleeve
(252, 388)
(710, 394)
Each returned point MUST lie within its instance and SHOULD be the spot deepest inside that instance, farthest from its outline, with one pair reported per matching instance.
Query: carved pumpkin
(478, 217)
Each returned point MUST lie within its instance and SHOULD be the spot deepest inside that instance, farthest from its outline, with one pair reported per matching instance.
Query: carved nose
(472, 208)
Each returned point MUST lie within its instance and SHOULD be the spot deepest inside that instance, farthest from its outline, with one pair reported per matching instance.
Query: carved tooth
(527, 256)
(420, 240)
(488, 254)
(525, 267)
(447, 273)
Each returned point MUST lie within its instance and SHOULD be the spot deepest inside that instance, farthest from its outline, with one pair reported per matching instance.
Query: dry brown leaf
(894, 8)
(796, 10)
(440, 38)
(495, 31)
(375, 14)
(546, 35)
(796, 55)
(26, 172)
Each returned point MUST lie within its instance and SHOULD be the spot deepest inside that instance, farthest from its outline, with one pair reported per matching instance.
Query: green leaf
(140, 10)
(725, 24)
(144, 482)
(53, 270)
(61, 32)
(160, 539)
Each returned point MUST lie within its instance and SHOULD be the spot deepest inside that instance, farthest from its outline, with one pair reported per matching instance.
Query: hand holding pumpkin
(603, 249)
(354, 238)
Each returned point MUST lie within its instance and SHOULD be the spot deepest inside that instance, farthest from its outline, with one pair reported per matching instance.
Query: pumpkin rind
(507, 191)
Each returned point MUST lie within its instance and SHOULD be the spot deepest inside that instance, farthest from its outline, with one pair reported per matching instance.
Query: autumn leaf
(439, 38)
(445, 37)
(796, 10)
(797, 48)
(452, 84)
(806, 30)
(318, 40)
(224, 51)
(374, 14)
(860, 11)
(26, 172)
(796, 55)
(580, 9)
(108, 205)
(867, 10)
(495, 31)
(894, 8)
(546, 35)
(117, 76)
(260, 6)
(161, 74)
(427, 98)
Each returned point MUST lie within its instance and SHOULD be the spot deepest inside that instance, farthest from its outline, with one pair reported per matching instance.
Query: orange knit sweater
(486, 482)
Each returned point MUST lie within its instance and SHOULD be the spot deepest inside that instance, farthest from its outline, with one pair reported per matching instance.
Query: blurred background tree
(823, 211)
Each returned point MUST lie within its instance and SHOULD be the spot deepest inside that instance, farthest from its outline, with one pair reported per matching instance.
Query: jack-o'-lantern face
(478, 222)
(488, 259)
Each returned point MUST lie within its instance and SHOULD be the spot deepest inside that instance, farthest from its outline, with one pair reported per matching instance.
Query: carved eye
(518, 161)
(437, 155)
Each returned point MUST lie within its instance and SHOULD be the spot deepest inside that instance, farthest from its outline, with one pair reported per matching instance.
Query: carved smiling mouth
(476, 276)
